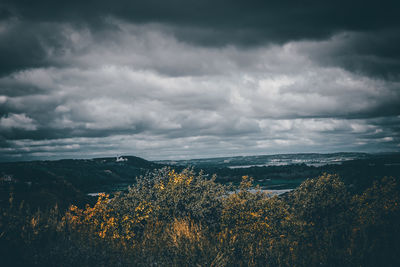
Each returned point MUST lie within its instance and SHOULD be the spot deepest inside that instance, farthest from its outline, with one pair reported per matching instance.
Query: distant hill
(310, 159)
(289, 170)
(65, 180)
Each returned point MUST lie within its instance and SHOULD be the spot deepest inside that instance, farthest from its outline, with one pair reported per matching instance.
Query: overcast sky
(178, 79)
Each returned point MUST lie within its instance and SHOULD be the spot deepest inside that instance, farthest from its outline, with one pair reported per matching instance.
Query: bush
(184, 219)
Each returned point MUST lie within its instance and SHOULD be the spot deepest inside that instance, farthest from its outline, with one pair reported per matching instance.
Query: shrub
(184, 219)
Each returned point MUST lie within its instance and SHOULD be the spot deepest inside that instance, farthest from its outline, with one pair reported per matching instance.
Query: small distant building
(121, 159)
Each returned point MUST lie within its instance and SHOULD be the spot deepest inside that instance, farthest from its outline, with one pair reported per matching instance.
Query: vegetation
(66, 182)
(170, 218)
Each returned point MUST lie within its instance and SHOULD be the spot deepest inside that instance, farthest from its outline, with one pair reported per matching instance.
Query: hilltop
(46, 182)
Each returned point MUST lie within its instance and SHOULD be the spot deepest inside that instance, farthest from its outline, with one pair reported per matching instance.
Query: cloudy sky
(179, 79)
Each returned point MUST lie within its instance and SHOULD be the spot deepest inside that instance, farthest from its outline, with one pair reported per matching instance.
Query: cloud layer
(83, 80)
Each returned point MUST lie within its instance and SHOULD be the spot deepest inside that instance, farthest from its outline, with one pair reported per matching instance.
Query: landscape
(126, 210)
(74, 178)
(200, 133)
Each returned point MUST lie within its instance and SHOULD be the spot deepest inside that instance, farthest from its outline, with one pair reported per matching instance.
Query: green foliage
(173, 218)
(257, 230)
(175, 196)
(376, 232)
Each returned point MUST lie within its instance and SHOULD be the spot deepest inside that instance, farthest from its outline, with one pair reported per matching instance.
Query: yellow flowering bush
(257, 229)
(105, 222)
(171, 218)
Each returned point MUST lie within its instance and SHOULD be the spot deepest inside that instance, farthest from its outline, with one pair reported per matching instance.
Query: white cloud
(3, 99)
(17, 121)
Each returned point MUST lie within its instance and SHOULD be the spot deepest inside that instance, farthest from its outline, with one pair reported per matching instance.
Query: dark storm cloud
(214, 23)
(374, 53)
(169, 79)
(279, 20)
(26, 44)
(23, 47)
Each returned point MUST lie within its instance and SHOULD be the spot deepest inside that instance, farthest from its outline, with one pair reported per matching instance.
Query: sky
(179, 79)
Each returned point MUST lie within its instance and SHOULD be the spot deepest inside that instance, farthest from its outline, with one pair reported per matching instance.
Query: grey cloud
(114, 82)
(96, 98)
(374, 53)
(34, 29)
(305, 135)
(276, 20)
(17, 121)
(26, 45)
